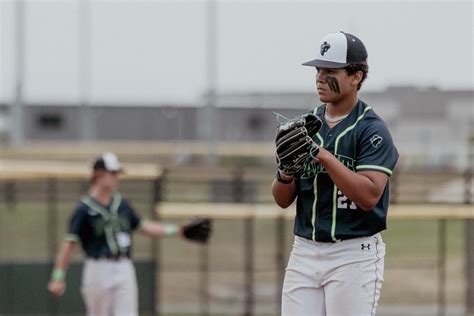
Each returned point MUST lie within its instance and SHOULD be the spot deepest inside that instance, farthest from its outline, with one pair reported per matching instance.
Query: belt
(110, 257)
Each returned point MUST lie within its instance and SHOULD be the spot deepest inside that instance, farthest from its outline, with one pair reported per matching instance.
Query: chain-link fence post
(52, 228)
(469, 229)
(157, 197)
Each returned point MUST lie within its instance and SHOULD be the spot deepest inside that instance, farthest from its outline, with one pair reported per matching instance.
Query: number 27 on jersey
(344, 203)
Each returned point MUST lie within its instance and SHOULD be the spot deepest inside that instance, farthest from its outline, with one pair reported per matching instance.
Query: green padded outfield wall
(23, 289)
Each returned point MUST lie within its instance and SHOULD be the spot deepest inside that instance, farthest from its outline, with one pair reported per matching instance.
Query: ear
(356, 78)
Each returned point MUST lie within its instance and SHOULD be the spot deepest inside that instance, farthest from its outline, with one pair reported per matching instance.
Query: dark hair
(94, 176)
(353, 68)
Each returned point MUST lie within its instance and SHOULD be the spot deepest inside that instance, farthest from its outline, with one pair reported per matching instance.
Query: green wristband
(170, 230)
(58, 274)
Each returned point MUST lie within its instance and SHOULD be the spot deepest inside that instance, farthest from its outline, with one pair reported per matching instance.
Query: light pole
(17, 125)
(210, 116)
(86, 115)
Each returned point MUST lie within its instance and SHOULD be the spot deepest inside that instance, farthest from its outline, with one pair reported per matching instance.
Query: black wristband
(281, 180)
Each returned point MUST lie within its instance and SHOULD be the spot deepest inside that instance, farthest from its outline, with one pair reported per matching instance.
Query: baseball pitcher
(336, 162)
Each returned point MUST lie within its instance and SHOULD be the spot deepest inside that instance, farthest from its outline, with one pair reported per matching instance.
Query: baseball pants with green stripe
(334, 279)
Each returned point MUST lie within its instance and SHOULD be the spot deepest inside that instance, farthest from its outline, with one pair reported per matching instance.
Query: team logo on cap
(325, 47)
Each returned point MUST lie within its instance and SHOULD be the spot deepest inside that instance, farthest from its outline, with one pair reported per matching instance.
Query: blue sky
(155, 51)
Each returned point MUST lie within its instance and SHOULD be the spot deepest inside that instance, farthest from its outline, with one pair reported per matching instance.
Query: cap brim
(324, 64)
(118, 170)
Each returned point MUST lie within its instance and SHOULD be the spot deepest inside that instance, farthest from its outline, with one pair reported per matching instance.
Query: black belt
(111, 257)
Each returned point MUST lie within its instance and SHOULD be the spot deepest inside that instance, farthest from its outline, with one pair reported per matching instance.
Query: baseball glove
(198, 230)
(295, 144)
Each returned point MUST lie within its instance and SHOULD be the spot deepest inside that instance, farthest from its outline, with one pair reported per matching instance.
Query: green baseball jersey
(361, 142)
(104, 230)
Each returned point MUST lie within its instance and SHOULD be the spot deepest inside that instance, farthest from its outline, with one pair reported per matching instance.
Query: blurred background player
(337, 262)
(103, 223)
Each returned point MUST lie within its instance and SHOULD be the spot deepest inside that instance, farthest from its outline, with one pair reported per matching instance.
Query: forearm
(64, 255)
(283, 194)
(355, 186)
(62, 261)
(57, 284)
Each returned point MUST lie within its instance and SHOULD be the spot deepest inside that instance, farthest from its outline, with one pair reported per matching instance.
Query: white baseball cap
(338, 50)
(109, 162)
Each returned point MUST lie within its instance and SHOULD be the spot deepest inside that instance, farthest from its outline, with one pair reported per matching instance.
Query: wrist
(170, 230)
(58, 274)
(321, 155)
(283, 178)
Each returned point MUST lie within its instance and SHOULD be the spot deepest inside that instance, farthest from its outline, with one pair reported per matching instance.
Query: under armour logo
(364, 246)
(376, 140)
(324, 48)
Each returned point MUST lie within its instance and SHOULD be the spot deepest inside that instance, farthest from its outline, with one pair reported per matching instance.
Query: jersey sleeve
(76, 223)
(376, 149)
(133, 217)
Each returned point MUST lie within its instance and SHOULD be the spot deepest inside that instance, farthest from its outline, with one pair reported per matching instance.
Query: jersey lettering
(346, 161)
(312, 168)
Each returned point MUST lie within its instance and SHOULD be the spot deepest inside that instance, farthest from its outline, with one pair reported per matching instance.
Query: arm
(152, 228)
(156, 229)
(364, 188)
(197, 230)
(284, 194)
(57, 285)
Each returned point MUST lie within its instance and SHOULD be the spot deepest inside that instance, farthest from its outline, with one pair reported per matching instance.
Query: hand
(57, 288)
(295, 144)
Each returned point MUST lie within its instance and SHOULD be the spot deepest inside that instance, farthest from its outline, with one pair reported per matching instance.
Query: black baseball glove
(295, 144)
(198, 230)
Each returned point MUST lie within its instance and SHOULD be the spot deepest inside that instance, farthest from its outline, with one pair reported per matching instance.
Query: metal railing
(249, 213)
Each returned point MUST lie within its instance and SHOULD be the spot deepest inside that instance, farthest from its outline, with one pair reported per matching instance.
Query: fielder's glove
(198, 229)
(295, 144)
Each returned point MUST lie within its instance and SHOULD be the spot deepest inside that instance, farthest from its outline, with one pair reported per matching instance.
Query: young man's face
(334, 84)
(108, 179)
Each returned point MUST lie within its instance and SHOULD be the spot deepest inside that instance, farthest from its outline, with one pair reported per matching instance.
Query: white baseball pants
(334, 279)
(109, 287)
